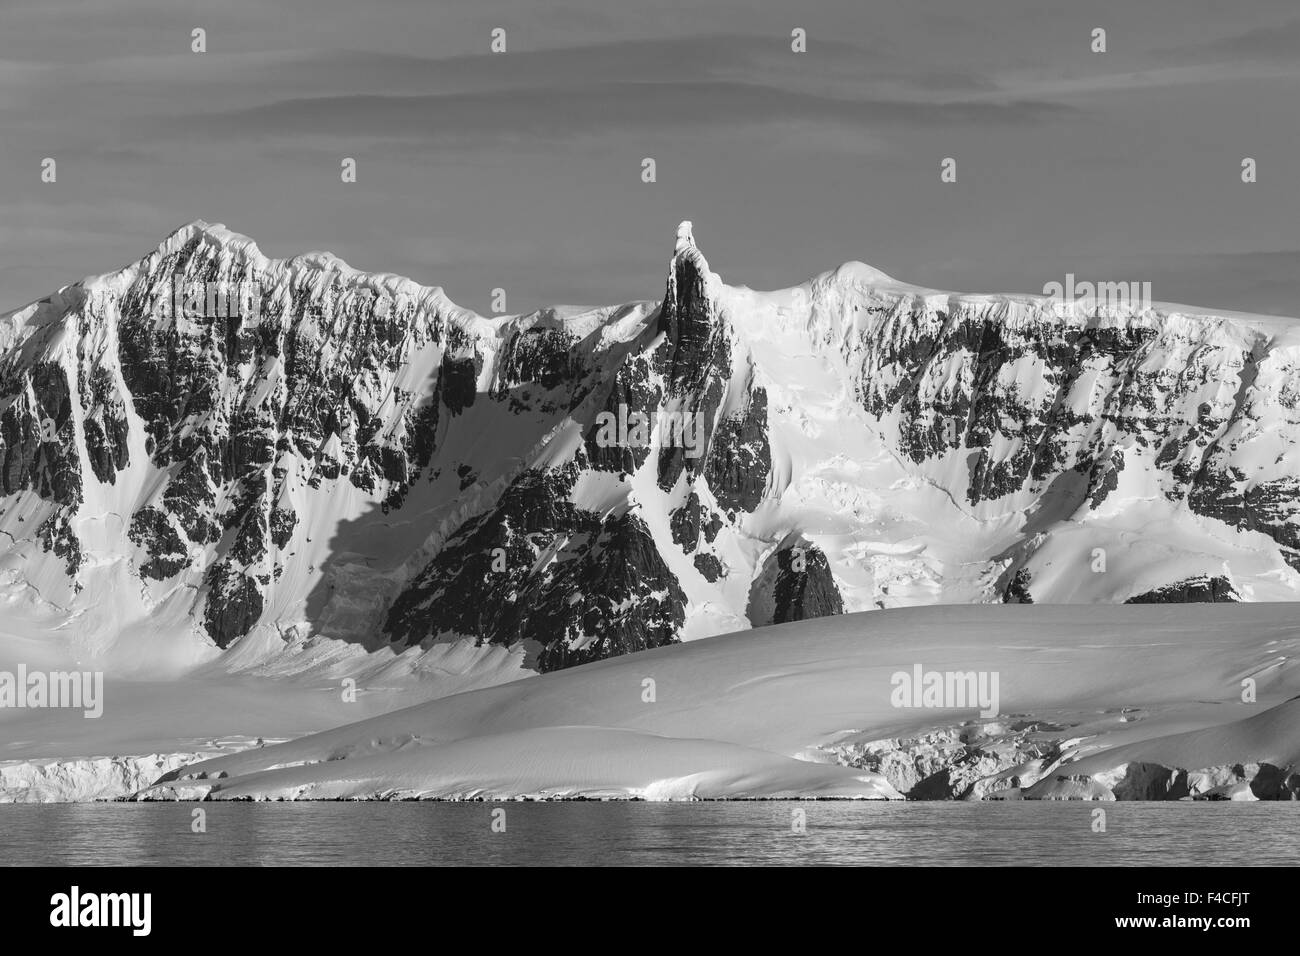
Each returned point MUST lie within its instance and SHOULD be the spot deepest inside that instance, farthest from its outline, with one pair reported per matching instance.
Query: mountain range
(212, 455)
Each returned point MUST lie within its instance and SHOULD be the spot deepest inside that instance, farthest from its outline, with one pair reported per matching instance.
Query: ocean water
(588, 833)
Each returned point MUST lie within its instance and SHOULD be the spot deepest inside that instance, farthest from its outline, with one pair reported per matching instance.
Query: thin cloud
(1279, 42)
(558, 113)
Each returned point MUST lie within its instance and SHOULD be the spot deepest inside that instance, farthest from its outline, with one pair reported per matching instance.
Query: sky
(522, 170)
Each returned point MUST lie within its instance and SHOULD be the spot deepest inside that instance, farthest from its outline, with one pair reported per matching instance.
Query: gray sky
(523, 170)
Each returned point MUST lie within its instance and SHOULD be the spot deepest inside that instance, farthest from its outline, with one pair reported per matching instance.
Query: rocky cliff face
(1207, 407)
(237, 448)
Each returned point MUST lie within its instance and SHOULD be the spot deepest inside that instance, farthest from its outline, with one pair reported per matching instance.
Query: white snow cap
(685, 239)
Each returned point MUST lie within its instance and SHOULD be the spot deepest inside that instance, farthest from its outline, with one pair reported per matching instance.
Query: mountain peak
(685, 238)
(688, 265)
(195, 227)
(213, 233)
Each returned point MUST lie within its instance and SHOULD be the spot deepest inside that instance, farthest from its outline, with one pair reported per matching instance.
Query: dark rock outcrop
(795, 584)
(1196, 590)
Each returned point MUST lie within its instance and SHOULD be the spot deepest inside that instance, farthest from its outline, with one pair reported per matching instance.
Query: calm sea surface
(401, 834)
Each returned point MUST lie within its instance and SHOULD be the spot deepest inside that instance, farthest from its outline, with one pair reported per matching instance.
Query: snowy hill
(1096, 703)
(326, 471)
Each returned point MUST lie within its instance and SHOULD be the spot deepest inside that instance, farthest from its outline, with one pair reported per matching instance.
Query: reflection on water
(397, 834)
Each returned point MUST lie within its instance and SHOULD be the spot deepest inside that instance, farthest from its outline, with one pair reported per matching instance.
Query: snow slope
(778, 711)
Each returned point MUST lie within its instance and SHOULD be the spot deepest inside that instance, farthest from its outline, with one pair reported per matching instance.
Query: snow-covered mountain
(328, 463)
